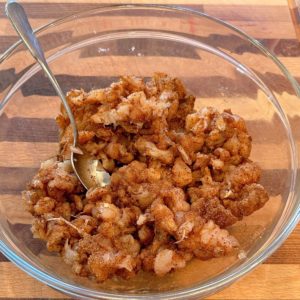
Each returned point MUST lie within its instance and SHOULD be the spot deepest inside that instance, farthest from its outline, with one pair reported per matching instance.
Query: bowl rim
(195, 290)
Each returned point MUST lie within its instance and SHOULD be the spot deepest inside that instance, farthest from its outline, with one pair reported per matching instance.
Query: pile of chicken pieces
(179, 177)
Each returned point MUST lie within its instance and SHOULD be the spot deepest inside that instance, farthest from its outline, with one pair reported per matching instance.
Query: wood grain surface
(279, 276)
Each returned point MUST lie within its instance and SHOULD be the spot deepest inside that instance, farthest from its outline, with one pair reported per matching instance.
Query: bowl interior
(94, 59)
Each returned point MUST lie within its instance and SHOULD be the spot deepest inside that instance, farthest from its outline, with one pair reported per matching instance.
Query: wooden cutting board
(269, 20)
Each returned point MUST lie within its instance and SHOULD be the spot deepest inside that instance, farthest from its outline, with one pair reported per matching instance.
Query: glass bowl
(219, 64)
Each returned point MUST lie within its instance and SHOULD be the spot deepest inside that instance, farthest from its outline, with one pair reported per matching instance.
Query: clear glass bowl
(219, 64)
